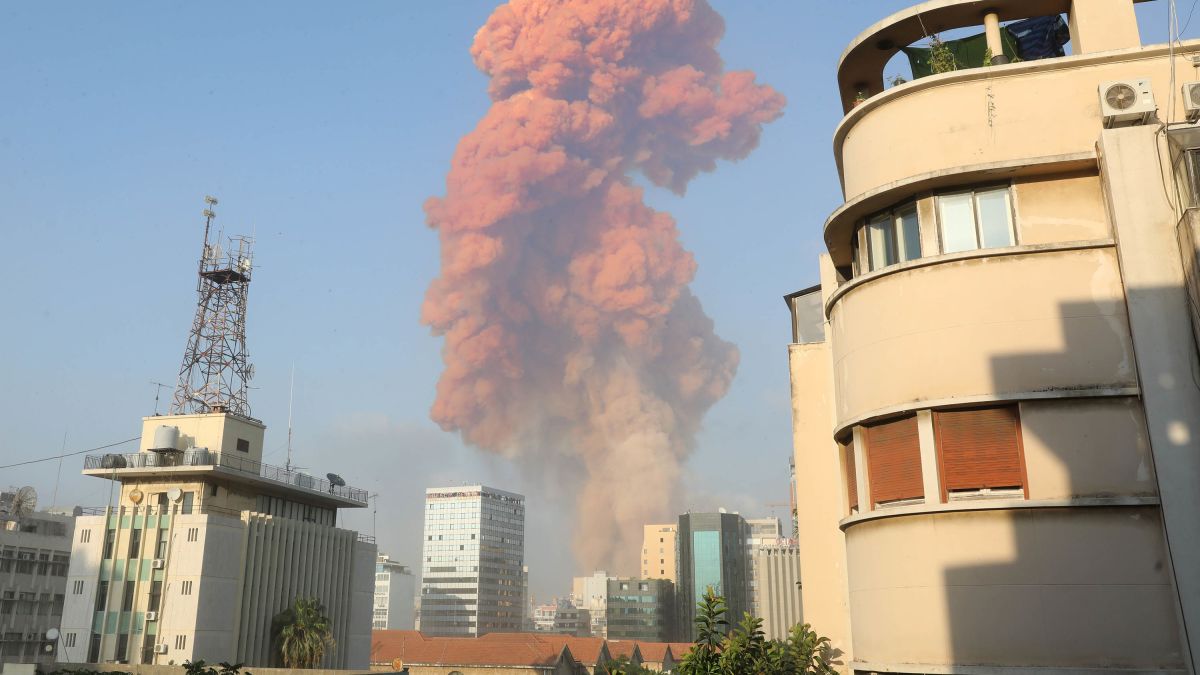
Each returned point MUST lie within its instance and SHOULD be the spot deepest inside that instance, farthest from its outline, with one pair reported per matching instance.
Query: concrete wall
(217, 432)
(1026, 587)
(778, 595)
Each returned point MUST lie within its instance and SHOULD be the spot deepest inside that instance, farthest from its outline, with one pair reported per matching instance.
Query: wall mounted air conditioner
(1126, 102)
(1191, 100)
(152, 616)
(158, 563)
(160, 648)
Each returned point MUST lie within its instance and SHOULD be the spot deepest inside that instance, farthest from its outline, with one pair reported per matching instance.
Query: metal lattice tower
(216, 369)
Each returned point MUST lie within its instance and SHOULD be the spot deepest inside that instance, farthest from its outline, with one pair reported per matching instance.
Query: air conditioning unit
(1126, 102)
(152, 616)
(1191, 100)
(158, 563)
(160, 648)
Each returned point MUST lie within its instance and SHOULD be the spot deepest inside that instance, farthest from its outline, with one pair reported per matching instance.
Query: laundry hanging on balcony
(1041, 37)
(969, 52)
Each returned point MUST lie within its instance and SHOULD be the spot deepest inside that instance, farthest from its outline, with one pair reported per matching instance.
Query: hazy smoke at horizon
(572, 341)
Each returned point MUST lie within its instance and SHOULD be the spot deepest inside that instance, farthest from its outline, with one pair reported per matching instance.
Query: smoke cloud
(572, 341)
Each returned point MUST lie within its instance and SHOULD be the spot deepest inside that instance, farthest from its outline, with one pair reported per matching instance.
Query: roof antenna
(291, 394)
(157, 392)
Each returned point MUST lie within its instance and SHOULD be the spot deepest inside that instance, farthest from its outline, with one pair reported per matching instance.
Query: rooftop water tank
(165, 438)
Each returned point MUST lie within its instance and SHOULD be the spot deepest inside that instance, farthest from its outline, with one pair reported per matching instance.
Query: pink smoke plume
(572, 340)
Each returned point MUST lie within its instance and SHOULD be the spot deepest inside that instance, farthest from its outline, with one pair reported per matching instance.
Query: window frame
(863, 253)
(974, 192)
(981, 493)
(873, 482)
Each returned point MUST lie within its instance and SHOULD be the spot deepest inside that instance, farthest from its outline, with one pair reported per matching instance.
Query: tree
(303, 633)
(705, 657)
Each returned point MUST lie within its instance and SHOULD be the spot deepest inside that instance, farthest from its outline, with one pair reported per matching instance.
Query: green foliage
(224, 668)
(941, 59)
(302, 633)
(987, 56)
(746, 651)
(80, 671)
(622, 666)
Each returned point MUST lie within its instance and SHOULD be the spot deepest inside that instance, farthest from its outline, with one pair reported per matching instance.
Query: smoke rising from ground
(572, 341)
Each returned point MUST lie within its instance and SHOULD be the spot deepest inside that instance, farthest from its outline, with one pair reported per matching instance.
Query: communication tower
(216, 369)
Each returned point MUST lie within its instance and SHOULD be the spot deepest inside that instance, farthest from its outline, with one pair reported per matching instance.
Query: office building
(712, 555)
(777, 591)
(640, 609)
(571, 620)
(35, 551)
(473, 579)
(591, 593)
(659, 552)
(995, 407)
(206, 544)
(395, 596)
(762, 531)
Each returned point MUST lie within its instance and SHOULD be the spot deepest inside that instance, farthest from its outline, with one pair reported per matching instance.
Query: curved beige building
(996, 396)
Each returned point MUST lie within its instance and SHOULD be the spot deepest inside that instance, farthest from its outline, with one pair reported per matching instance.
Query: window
(155, 596)
(847, 448)
(212, 490)
(980, 453)
(160, 544)
(135, 543)
(77, 587)
(69, 639)
(85, 536)
(185, 588)
(110, 539)
(243, 445)
(188, 499)
(976, 219)
(193, 534)
(180, 642)
(94, 649)
(127, 597)
(101, 596)
(123, 647)
(894, 462)
(892, 237)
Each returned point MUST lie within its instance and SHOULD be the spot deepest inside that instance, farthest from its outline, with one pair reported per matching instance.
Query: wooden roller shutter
(894, 461)
(851, 474)
(979, 449)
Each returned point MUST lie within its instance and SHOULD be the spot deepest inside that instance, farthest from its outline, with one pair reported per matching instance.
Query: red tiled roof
(413, 648)
(619, 648)
(586, 650)
(651, 651)
(680, 649)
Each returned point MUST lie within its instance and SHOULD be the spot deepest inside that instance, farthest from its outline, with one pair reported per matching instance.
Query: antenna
(216, 371)
(291, 393)
(158, 391)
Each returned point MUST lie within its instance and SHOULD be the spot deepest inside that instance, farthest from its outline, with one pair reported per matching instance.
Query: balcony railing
(201, 457)
(159, 510)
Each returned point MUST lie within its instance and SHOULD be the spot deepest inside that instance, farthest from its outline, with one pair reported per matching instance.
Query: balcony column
(991, 29)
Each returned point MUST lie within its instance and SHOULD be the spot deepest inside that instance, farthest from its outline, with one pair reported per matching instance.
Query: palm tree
(303, 633)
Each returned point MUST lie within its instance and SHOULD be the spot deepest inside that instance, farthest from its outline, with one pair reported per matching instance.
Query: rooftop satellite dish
(174, 494)
(52, 634)
(23, 503)
(335, 480)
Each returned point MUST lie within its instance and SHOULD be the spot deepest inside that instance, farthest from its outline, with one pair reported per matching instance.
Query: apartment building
(995, 400)
(473, 580)
(659, 551)
(760, 532)
(35, 551)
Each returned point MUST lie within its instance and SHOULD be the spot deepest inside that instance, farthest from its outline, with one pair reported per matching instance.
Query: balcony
(248, 470)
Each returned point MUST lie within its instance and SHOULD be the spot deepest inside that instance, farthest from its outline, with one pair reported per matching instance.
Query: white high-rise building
(395, 594)
(763, 532)
(472, 580)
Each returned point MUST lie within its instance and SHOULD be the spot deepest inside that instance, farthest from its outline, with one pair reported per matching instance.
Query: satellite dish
(174, 494)
(24, 502)
(52, 634)
(335, 480)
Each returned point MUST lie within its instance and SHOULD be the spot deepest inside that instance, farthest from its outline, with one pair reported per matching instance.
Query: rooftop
(200, 463)
(412, 648)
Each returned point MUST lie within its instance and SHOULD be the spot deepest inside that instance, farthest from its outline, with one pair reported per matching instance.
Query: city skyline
(363, 393)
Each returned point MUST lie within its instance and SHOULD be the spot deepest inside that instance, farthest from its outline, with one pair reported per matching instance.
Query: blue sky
(322, 128)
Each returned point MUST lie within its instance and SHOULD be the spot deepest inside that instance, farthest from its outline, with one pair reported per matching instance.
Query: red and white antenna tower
(216, 370)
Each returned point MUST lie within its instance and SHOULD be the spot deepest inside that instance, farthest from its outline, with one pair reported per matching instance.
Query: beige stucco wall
(997, 114)
(1038, 322)
(1086, 448)
(819, 498)
(1060, 208)
(658, 557)
(217, 432)
(1027, 587)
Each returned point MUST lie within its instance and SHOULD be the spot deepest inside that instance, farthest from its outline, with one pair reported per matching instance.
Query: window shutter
(851, 475)
(894, 461)
(979, 449)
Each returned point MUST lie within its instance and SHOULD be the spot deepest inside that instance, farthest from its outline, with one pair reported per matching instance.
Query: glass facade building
(712, 554)
(472, 579)
(640, 609)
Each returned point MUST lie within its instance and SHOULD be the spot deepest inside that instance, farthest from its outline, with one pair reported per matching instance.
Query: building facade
(473, 580)
(640, 609)
(995, 411)
(572, 620)
(395, 596)
(205, 545)
(712, 554)
(761, 532)
(659, 552)
(591, 593)
(777, 593)
(35, 552)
